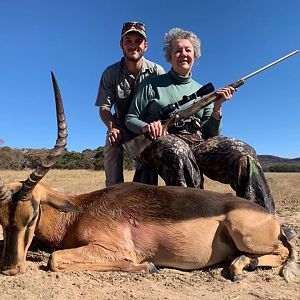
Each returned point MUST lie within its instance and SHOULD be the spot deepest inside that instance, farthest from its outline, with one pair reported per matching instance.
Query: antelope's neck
(53, 225)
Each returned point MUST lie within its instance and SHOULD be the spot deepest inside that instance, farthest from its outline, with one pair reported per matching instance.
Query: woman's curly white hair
(178, 33)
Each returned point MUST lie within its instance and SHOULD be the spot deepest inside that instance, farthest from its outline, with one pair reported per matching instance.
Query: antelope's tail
(291, 268)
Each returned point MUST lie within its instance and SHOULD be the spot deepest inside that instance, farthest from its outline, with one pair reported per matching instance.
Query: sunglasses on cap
(133, 25)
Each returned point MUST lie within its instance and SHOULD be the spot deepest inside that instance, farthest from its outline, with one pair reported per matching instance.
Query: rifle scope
(170, 108)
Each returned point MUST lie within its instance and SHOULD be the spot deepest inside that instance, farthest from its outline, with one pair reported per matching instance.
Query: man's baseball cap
(134, 27)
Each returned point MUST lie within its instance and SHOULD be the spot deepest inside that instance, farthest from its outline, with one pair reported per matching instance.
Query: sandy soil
(39, 283)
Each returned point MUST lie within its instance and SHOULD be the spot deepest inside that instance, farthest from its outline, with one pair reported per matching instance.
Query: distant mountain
(279, 164)
(268, 160)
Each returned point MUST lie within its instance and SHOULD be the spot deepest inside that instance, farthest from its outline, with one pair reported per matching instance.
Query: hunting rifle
(137, 145)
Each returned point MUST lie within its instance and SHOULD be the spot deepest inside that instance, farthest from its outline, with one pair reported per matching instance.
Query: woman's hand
(226, 93)
(155, 129)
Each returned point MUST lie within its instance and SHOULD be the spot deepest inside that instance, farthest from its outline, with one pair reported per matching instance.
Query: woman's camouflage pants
(182, 159)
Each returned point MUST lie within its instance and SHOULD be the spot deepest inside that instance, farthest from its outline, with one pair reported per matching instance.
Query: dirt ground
(39, 283)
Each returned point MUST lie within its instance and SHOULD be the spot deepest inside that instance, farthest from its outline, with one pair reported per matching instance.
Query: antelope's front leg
(239, 264)
(95, 258)
(251, 261)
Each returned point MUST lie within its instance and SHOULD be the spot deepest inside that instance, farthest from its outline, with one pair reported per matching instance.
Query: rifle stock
(138, 144)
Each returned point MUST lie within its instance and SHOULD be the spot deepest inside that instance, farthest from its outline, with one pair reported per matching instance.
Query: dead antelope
(135, 227)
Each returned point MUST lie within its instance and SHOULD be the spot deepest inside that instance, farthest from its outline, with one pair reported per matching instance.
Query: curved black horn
(4, 192)
(34, 178)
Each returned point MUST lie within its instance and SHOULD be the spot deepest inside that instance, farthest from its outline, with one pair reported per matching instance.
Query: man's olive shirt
(118, 87)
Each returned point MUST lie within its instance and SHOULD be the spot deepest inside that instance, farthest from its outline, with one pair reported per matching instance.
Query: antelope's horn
(34, 178)
(4, 192)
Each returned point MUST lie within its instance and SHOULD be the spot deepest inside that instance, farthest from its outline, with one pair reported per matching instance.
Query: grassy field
(285, 186)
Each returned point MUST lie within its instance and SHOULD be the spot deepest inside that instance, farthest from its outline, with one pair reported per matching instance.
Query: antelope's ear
(60, 204)
(14, 187)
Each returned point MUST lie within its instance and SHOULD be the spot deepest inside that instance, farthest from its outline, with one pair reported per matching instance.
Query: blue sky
(77, 40)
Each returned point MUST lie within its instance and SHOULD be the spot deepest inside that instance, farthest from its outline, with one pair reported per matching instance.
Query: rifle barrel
(270, 65)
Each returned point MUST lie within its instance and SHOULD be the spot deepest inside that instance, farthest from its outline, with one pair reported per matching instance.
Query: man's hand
(114, 133)
(115, 137)
(155, 129)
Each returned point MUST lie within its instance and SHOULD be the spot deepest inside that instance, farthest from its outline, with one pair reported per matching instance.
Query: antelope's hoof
(151, 268)
(237, 278)
(253, 264)
(288, 232)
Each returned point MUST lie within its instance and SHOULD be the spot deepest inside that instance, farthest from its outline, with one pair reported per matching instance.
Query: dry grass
(285, 186)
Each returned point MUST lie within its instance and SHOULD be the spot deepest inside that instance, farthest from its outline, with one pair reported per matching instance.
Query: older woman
(195, 148)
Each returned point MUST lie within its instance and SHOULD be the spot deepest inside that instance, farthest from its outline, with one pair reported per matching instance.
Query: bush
(19, 159)
(288, 168)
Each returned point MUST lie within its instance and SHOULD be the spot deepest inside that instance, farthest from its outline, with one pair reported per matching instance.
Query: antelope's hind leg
(251, 262)
(93, 257)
